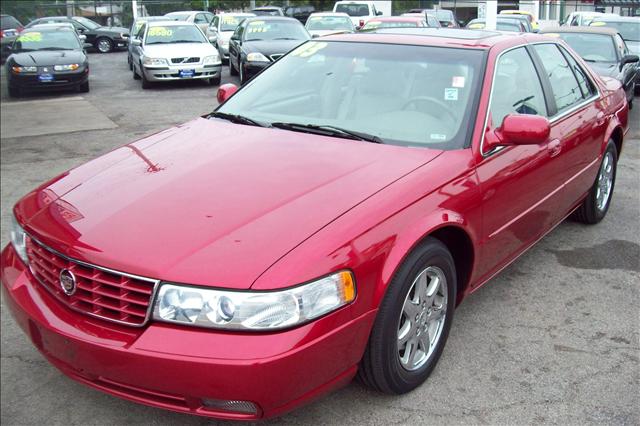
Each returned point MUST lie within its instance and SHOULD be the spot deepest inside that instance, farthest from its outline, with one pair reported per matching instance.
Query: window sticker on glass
(30, 37)
(309, 49)
(160, 32)
(232, 20)
(598, 24)
(438, 137)
(457, 81)
(450, 94)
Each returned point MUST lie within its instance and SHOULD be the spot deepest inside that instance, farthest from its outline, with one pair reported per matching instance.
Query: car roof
(168, 23)
(48, 28)
(341, 14)
(267, 8)
(442, 37)
(397, 19)
(581, 29)
(616, 18)
(150, 18)
(185, 12)
(236, 14)
(271, 18)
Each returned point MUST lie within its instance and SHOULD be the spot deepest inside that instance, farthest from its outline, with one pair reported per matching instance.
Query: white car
(221, 30)
(326, 23)
(200, 18)
(584, 18)
(173, 50)
(359, 11)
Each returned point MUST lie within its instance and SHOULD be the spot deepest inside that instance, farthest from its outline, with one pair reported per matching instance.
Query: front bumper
(172, 72)
(61, 80)
(174, 367)
(223, 51)
(253, 68)
(120, 43)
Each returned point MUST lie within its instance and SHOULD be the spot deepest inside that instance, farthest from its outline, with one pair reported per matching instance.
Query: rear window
(353, 9)
(329, 23)
(374, 25)
(9, 22)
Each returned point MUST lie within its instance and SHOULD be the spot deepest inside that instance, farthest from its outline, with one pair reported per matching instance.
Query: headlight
(257, 57)
(254, 310)
(19, 239)
(154, 62)
(18, 69)
(208, 60)
(123, 35)
(69, 67)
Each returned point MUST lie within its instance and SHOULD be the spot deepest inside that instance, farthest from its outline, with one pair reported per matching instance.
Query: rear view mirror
(378, 13)
(226, 91)
(522, 129)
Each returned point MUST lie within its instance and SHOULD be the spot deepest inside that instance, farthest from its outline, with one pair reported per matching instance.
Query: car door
(201, 21)
(136, 51)
(212, 29)
(629, 69)
(578, 121)
(519, 182)
(235, 44)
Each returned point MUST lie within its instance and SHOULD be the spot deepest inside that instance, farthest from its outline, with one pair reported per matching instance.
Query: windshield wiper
(236, 118)
(327, 130)
(54, 48)
(184, 41)
(255, 39)
(285, 38)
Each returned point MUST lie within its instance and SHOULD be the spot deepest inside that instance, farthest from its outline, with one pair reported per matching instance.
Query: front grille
(102, 293)
(192, 60)
(275, 57)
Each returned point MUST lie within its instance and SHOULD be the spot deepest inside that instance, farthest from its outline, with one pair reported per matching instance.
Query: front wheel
(84, 87)
(413, 321)
(232, 69)
(146, 84)
(104, 45)
(595, 206)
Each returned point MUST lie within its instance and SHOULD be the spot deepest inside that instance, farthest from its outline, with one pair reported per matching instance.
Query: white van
(359, 11)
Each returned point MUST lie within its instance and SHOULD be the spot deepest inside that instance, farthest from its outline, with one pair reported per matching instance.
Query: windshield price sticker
(160, 32)
(309, 49)
(230, 20)
(30, 37)
(450, 94)
(598, 24)
(457, 81)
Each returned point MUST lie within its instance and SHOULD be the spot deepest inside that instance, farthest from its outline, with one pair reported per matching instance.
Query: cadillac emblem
(67, 282)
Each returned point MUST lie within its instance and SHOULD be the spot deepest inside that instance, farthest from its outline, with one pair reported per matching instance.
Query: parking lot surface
(554, 338)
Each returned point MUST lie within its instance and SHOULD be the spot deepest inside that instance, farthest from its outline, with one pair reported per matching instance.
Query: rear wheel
(595, 206)
(104, 45)
(413, 321)
(241, 71)
(136, 76)
(146, 84)
(84, 87)
(130, 62)
(232, 69)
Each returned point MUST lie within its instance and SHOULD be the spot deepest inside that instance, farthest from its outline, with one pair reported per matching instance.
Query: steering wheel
(437, 102)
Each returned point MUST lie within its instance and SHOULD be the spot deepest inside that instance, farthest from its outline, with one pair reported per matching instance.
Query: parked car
(301, 13)
(359, 11)
(324, 221)
(502, 24)
(104, 39)
(526, 13)
(259, 41)
(327, 23)
(221, 30)
(524, 20)
(47, 57)
(135, 28)
(446, 17)
(201, 18)
(605, 51)
(583, 18)
(9, 29)
(629, 29)
(268, 11)
(394, 22)
(431, 20)
(174, 50)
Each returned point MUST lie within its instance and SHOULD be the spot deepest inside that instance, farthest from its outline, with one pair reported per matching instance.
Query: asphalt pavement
(555, 338)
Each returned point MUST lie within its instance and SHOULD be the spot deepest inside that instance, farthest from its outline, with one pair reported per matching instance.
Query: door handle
(554, 147)
(600, 118)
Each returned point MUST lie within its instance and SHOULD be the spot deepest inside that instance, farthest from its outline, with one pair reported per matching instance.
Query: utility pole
(70, 8)
(491, 18)
(134, 8)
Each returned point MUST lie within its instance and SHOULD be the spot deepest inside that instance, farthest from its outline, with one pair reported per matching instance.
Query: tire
(594, 207)
(136, 76)
(243, 77)
(146, 84)
(215, 81)
(14, 92)
(104, 45)
(84, 87)
(232, 69)
(130, 62)
(386, 365)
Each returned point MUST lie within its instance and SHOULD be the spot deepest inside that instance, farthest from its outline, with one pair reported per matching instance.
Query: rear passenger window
(583, 81)
(517, 88)
(565, 87)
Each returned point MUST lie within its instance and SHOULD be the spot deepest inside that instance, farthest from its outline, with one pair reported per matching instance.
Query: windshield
(592, 47)
(329, 23)
(628, 30)
(178, 16)
(230, 22)
(266, 12)
(275, 30)
(174, 34)
(46, 40)
(374, 25)
(405, 95)
(86, 22)
(353, 9)
(9, 22)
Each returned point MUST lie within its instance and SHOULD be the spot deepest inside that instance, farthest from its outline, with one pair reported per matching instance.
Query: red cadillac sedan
(324, 222)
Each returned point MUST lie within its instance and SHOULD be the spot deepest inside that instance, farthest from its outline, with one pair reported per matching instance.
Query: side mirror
(213, 39)
(136, 42)
(226, 91)
(628, 59)
(82, 37)
(378, 13)
(314, 36)
(523, 129)
(87, 45)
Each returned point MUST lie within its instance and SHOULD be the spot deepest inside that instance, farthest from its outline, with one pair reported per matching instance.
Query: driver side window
(516, 88)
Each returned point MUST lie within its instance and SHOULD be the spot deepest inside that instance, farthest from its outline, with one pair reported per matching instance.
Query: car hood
(209, 202)
(321, 33)
(48, 57)
(271, 47)
(607, 69)
(115, 30)
(179, 50)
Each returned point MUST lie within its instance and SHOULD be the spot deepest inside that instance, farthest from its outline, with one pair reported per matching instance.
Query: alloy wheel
(605, 182)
